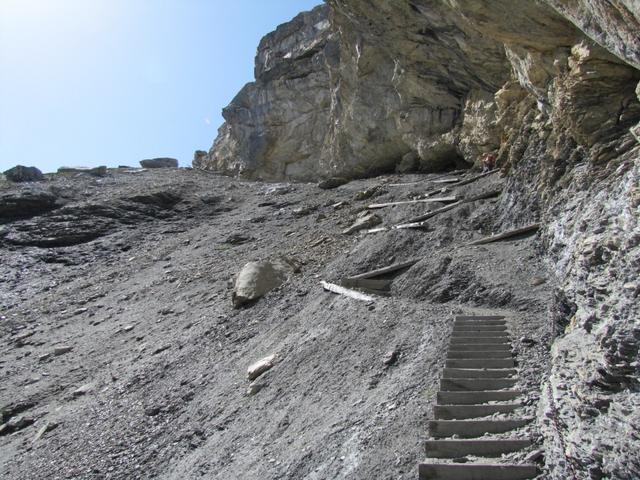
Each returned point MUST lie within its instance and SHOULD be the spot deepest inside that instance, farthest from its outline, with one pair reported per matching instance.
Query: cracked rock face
(551, 88)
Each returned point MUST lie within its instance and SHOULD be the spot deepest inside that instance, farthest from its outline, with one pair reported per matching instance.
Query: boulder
(258, 368)
(200, 158)
(100, 171)
(409, 163)
(368, 221)
(256, 279)
(20, 173)
(163, 162)
(333, 182)
(26, 204)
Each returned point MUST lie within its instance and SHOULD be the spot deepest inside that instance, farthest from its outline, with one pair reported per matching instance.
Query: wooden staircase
(478, 382)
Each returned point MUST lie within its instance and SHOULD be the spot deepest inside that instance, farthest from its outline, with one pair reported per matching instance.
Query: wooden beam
(446, 180)
(446, 208)
(442, 175)
(368, 283)
(407, 202)
(332, 287)
(511, 233)
(381, 271)
(477, 177)
(433, 213)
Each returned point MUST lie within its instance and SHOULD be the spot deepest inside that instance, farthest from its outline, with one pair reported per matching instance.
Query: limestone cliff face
(550, 87)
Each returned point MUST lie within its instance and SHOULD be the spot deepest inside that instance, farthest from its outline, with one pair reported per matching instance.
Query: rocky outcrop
(20, 173)
(550, 88)
(163, 162)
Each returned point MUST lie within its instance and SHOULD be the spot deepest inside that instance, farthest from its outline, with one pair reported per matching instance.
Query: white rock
(261, 366)
(255, 280)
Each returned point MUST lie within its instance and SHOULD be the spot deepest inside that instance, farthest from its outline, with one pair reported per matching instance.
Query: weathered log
(332, 287)
(381, 271)
(408, 202)
(511, 233)
(477, 177)
(446, 180)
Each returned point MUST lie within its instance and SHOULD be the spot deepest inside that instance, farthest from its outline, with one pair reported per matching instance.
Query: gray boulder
(20, 173)
(164, 162)
(100, 171)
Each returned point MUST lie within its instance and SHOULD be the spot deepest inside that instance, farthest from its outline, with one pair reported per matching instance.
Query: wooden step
(480, 346)
(479, 322)
(471, 354)
(480, 341)
(475, 384)
(480, 335)
(474, 398)
(479, 317)
(457, 471)
(478, 373)
(456, 412)
(479, 328)
(473, 428)
(480, 363)
(479, 448)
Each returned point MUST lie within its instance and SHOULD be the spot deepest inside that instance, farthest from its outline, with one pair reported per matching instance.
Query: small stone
(128, 328)
(367, 221)
(260, 367)
(527, 341)
(390, 357)
(152, 411)
(161, 349)
(15, 424)
(368, 193)
(83, 390)
(44, 357)
(47, 427)
(237, 239)
(535, 281)
(254, 388)
(333, 182)
(62, 350)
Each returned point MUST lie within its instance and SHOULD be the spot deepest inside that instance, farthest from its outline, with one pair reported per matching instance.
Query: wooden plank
(374, 206)
(332, 287)
(511, 233)
(367, 283)
(378, 229)
(455, 172)
(446, 208)
(477, 177)
(382, 271)
(482, 196)
(433, 213)
(447, 180)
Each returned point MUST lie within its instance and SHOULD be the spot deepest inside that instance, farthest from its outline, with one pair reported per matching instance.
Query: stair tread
(470, 471)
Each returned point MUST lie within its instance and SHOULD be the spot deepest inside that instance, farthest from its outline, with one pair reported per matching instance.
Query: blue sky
(110, 82)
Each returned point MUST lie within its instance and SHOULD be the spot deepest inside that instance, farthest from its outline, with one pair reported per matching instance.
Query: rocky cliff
(549, 87)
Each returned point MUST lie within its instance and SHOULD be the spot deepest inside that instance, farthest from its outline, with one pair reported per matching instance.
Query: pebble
(62, 350)
(83, 390)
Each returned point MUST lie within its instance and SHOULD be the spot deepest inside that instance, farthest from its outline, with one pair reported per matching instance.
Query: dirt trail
(133, 272)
